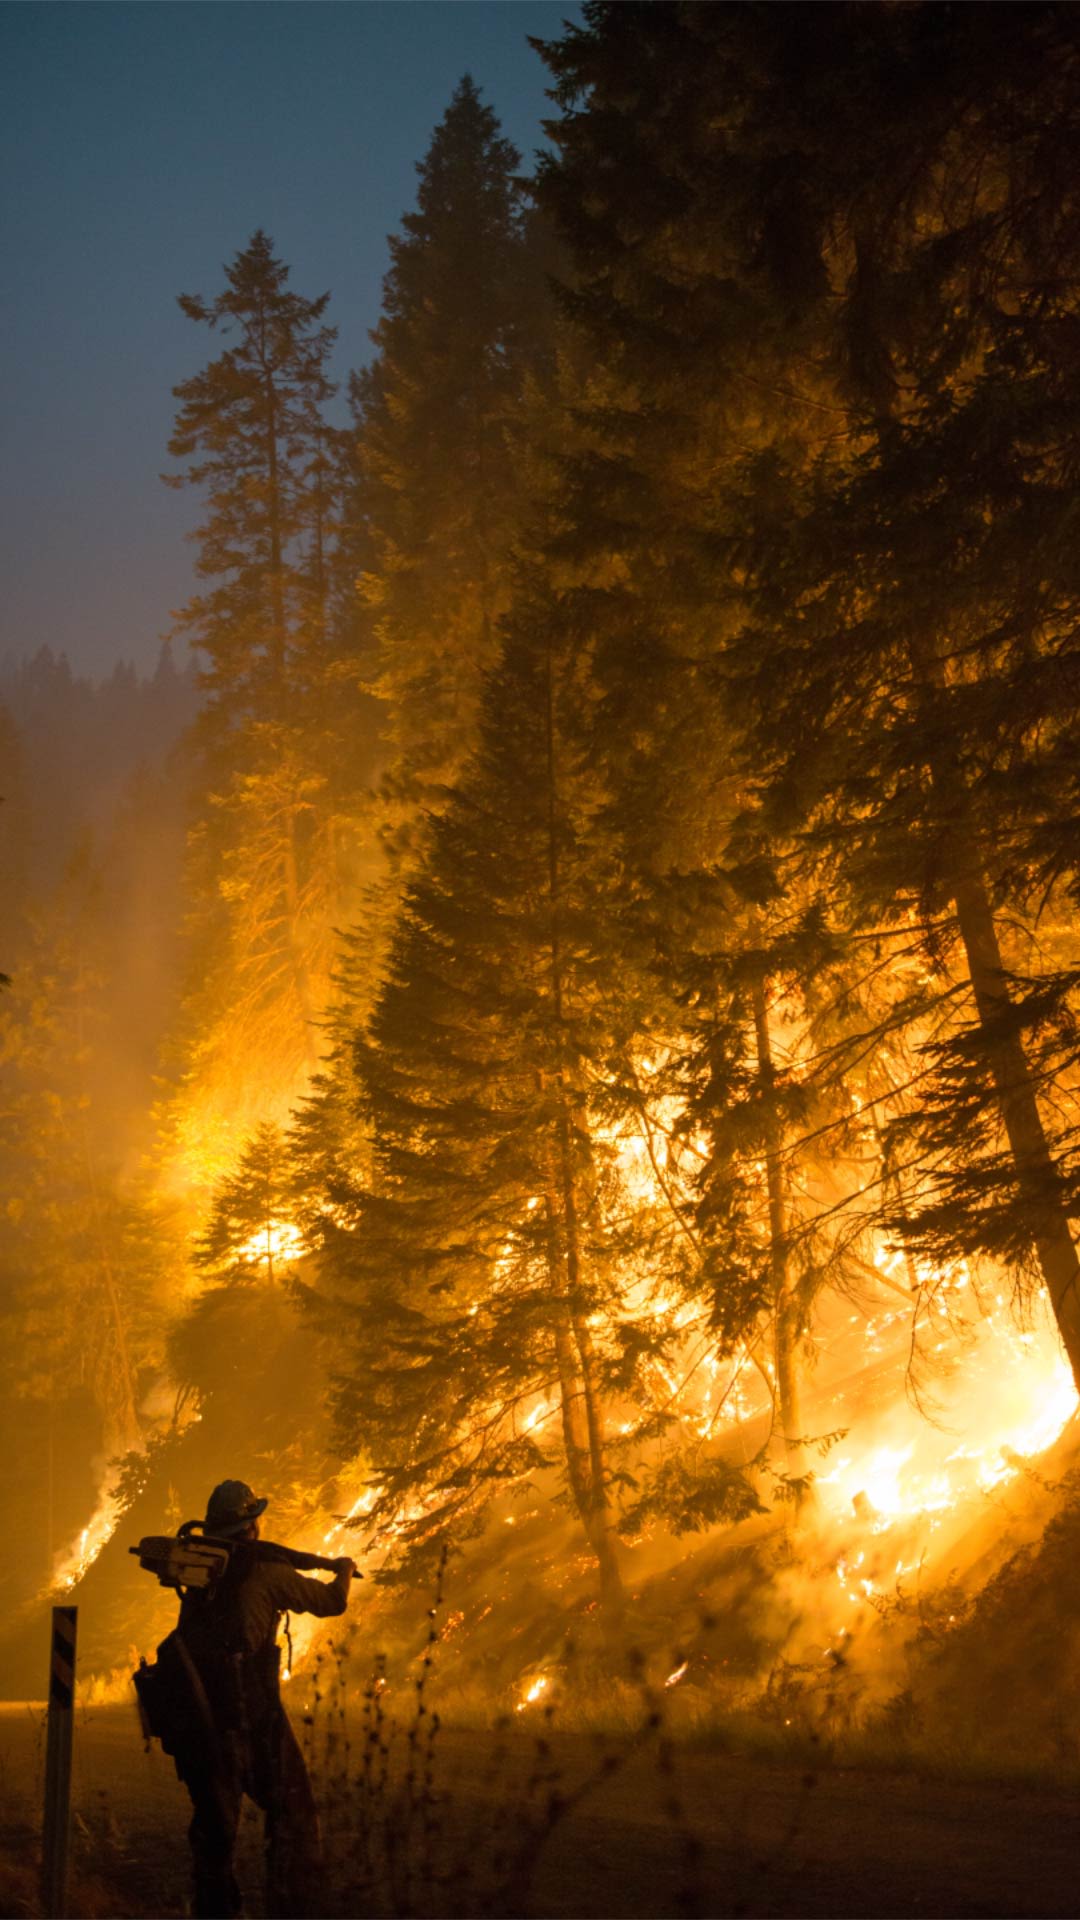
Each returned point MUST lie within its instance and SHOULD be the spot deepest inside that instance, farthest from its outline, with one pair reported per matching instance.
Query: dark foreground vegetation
(511, 1758)
(715, 1830)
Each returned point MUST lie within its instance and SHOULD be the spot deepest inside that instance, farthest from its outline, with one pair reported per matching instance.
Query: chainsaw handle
(268, 1550)
(295, 1557)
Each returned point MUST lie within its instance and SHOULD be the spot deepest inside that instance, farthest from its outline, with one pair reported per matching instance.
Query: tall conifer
(271, 851)
(434, 483)
(687, 343)
(911, 636)
(484, 1276)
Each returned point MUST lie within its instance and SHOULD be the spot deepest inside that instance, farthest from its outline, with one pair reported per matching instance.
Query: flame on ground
(1004, 1396)
(96, 1534)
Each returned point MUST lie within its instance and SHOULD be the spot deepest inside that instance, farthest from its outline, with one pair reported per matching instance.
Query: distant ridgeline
(70, 747)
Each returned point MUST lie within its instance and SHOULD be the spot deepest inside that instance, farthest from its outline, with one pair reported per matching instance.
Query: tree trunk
(277, 585)
(599, 1523)
(297, 960)
(114, 1392)
(582, 1421)
(575, 1438)
(563, 1221)
(787, 1312)
(1036, 1173)
(1032, 1158)
(601, 1534)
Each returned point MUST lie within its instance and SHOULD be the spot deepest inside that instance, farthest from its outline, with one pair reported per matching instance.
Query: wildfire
(533, 1693)
(544, 1409)
(1008, 1401)
(1000, 1395)
(279, 1241)
(359, 1507)
(96, 1534)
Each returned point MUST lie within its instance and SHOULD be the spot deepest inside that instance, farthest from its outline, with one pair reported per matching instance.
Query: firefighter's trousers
(273, 1774)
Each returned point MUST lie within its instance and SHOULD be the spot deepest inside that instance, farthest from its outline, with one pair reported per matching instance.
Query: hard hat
(231, 1507)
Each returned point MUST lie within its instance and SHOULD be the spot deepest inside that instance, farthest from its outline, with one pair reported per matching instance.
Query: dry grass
(402, 1836)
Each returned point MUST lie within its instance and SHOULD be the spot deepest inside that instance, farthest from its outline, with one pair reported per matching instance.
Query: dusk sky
(141, 146)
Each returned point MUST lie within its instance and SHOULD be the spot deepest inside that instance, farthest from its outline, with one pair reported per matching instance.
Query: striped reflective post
(54, 1848)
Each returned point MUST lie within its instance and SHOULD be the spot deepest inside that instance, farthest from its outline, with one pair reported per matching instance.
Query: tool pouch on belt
(172, 1703)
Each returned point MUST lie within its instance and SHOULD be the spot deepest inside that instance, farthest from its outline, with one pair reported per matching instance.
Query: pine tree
(687, 341)
(275, 850)
(484, 1285)
(907, 628)
(249, 1234)
(251, 427)
(434, 491)
(425, 504)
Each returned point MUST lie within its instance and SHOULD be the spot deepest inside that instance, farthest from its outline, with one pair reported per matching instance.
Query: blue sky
(141, 145)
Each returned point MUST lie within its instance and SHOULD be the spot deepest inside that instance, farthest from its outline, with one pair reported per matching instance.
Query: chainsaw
(194, 1558)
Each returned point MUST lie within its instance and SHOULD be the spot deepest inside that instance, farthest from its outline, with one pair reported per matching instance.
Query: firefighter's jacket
(230, 1631)
(248, 1605)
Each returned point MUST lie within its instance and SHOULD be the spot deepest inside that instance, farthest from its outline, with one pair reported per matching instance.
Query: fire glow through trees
(609, 1097)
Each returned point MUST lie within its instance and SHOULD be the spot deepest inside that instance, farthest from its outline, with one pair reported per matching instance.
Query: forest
(552, 1048)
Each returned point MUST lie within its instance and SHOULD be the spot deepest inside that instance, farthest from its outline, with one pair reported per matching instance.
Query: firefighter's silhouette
(214, 1700)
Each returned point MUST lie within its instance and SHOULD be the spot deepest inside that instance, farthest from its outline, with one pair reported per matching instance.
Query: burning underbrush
(920, 1600)
(759, 1638)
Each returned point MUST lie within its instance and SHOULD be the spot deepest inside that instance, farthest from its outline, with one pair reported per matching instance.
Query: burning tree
(647, 548)
(488, 1276)
(825, 430)
(903, 688)
(250, 1233)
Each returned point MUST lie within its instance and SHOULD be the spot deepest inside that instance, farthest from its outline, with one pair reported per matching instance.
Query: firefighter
(245, 1744)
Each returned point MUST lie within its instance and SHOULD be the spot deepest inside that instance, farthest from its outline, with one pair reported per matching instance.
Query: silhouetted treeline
(76, 745)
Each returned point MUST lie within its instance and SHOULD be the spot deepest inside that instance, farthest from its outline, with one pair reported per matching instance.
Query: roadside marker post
(61, 1717)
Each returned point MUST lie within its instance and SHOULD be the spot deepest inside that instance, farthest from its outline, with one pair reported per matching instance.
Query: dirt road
(717, 1833)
